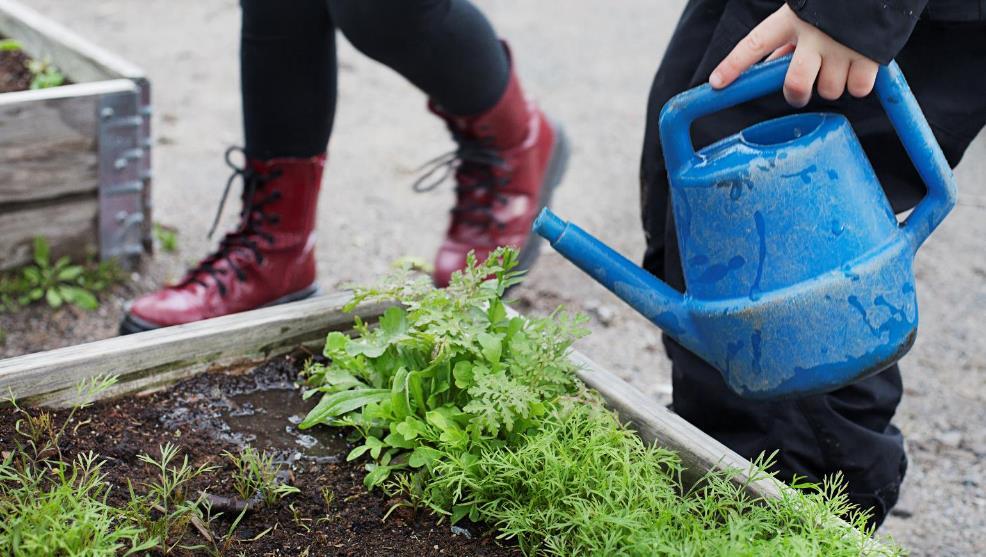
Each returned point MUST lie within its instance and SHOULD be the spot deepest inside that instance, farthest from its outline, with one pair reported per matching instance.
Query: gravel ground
(596, 84)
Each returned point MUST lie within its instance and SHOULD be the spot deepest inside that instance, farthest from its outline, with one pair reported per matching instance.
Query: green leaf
(70, 273)
(53, 298)
(395, 439)
(336, 404)
(41, 251)
(79, 296)
(424, 456)
(9, 45)
(463, 374)
(335, 379)
(376, 476)
(375, 445)
(492, 346)
(459, 512)
(357, 452)
(371, 348)
(393, 323)
(415, 388)
(335, 343)
(411, 428)
(497, 312)
(33, 276)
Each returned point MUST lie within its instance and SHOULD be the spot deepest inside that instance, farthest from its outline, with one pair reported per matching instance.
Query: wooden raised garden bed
(148, 363)
(75, 159)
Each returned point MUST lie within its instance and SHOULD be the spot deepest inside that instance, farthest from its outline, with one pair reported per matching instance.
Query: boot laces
(247, 235)
(477, 167)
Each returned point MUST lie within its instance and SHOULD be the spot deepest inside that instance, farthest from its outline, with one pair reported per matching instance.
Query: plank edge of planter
(87, 89)
(154, 359)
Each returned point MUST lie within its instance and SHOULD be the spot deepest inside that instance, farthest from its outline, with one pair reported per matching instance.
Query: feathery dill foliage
(470, 412)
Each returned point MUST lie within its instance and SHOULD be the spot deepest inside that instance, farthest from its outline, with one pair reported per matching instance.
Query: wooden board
(49, 169)
(155, 359)
(47, 147)
(72, 54)
(69, 227)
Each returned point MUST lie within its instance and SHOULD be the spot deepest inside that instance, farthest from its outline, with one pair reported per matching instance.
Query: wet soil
(332, 515)
(14, 75)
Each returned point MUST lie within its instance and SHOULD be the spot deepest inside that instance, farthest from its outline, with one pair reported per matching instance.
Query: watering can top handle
(895, 96)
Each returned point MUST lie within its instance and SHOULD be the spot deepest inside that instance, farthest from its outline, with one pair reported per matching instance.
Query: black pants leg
(288, 75)
(446, 48)
(848, 430)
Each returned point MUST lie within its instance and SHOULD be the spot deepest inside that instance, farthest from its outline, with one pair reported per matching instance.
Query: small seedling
(44, 74)
(39, 429)
(168, 496)
(58, 283)
(9, 45)
(256, 474)
(166, 237)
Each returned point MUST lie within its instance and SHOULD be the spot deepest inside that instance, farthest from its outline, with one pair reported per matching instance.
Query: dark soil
(220, 411)
(14, 75)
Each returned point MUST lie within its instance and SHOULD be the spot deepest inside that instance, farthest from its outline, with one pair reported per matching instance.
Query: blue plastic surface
(798, 276)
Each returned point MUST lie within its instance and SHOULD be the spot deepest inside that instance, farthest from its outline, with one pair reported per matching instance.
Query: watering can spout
(655, 300)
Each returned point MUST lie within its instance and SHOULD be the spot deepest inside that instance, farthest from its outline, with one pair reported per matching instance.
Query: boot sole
(557, 166)
(132, 324)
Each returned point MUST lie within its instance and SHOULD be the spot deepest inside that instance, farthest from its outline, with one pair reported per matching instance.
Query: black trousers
(288, 62)
(848, 430)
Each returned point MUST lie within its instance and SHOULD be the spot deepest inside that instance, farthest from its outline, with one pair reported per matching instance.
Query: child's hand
(815, 55)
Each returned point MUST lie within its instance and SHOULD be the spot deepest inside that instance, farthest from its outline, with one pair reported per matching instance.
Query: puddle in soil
(268, 419)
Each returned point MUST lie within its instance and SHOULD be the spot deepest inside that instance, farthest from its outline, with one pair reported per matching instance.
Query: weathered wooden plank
(69, 225)
(48, 148)
(154, 359)
(74, 55)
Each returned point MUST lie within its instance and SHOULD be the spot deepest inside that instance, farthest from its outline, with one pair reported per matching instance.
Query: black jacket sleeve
(876, 29)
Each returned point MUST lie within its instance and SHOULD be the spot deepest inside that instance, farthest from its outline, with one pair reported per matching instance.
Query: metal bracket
(123, 178)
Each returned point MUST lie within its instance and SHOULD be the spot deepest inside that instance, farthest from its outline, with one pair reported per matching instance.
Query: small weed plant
(474, 413)
(59, 508)
(256, 475)
(44, 74)
(166, 237)
(168, 496)
(56, 283)
(51, 506)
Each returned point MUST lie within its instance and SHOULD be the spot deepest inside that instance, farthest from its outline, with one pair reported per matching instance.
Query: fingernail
(716, 79)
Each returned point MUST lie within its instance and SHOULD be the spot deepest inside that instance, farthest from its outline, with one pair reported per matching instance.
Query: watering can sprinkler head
(798, 276)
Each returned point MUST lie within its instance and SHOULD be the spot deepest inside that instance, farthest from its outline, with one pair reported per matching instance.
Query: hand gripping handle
(895, 96)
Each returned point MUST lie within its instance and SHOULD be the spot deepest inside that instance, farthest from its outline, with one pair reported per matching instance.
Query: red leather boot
(269, 258)
(510, 159)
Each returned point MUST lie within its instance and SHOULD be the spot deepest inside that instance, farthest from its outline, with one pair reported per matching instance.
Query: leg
(509, 156)
(288, 74)
(446, 48)
(288, 71)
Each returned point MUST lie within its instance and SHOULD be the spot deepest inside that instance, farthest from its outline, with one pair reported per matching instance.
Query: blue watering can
(798, 275)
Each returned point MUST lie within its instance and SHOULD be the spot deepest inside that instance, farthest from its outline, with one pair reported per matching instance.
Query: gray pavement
(590, 63)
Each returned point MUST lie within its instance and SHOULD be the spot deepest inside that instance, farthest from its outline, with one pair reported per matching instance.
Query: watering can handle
(895, 96)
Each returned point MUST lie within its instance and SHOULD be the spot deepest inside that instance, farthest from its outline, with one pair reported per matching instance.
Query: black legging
(446, 48)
